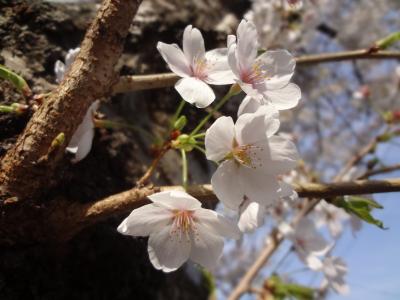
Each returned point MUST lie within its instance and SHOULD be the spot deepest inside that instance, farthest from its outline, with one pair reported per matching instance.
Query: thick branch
(30, 165)
(62, 219)
(153, 81)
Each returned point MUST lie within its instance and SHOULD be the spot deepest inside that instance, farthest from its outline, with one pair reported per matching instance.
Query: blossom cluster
(253, 159)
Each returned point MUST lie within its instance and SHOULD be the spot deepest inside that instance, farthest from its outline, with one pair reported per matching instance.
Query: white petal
(232, 60)
(248, 105)
(253, 91)
(168, 252)
(340, 286)
(279, 65)
(226, 184)
(335, 228)
(313, 262)
(81, 141)
(247, 43)
(284, 155)
(340, 266)
(219, 139)
(231, 39)
(82, 148)
(259, 187)
(144, 220)
(287, 191)
(59, 70)
(251, 216)
(193, 44)
(330, 268)
(175, 59)
(284, 98)
(195, 91)
(286, 229)
(218, 69)
(70, 57)
(175, 200)
(256, 127)
(217, 224)
(305, 227)
(206, 247)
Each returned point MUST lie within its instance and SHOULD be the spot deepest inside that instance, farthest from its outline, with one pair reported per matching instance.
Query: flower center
(255, 75)
(247, 155)
(182, 225)
(199, 68)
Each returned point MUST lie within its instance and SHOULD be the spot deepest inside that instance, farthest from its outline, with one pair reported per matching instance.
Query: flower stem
(199, 135)
(232, 91)
(184, 170)
(101, 123)
(200, 149)
(176, 114)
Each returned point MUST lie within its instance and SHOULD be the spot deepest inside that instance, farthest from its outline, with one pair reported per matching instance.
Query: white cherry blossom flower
(334, 269)
(60, 68)
(81, 141)
(329, 215)
(179, 229)
(307, 241)
(252, 157)
(197, 67)
(266, 77)
(282, 208)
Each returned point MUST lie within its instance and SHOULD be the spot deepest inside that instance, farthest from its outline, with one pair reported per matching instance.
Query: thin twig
(153, 81)
(382, 170)
(146, 176)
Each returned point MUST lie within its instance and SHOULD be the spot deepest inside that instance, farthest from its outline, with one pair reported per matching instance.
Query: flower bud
(180, 123)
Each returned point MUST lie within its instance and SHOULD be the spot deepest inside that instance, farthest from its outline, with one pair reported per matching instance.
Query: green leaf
(300, 292)
(360, 207)
(16, 80)
(282, 290)
(369, 201)
(388, 41)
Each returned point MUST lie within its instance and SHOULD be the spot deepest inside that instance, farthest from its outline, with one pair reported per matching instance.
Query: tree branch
(30, 164)
(153, 81)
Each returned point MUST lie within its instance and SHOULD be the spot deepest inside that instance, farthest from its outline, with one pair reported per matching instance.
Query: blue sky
(374, 256)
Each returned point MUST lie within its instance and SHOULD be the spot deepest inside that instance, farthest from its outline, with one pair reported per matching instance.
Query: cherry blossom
(251, 158)
(282, 208)
(334, 269)
(307, 241)
(61, 68)
(197, 67)
(329, 215)
(81, 141)
(266, 77)
(179, 229)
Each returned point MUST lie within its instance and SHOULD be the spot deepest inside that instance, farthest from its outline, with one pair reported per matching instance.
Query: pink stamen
(183, 224)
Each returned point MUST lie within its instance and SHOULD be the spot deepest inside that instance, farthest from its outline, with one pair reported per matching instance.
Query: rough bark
(29, 166)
